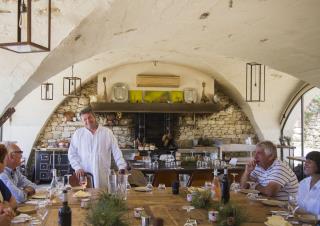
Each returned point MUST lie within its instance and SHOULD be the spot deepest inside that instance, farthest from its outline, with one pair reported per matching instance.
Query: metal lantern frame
(47, 91)
(255, 82)
(28, 46)
(70, 85)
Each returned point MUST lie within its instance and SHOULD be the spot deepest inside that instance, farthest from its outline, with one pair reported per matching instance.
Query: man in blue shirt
(18, 184)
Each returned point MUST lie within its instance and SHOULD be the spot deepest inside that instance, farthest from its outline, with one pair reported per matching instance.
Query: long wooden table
(167, 206)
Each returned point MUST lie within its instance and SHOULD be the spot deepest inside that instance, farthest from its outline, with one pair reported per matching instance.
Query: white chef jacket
(309, 199)
(92, 153)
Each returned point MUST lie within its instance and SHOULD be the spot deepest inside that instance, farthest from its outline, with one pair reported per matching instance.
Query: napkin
(32, 202)
(21, 218)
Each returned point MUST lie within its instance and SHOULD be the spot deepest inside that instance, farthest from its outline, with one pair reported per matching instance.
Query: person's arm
(27, 185)
(247, 174)
(19, 195)
(74, 158)
(117, 154)
(270, 190)
(5, 220)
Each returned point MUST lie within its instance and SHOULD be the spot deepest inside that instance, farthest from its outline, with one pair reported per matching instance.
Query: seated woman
(309, 189)
(6, 199)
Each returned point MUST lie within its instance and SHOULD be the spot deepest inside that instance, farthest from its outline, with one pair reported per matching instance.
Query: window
(303, 123)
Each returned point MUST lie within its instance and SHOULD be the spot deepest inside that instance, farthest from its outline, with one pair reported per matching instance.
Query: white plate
(142, 189)
(190, 95)
(120, 92)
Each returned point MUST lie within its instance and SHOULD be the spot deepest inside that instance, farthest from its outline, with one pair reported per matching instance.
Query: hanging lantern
(25, 43)
(255, 82)
(47, 91)
(70, 85)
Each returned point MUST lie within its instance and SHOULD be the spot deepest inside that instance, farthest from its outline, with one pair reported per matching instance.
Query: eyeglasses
(18, 152)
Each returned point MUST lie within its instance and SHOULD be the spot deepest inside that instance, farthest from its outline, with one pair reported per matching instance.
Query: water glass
(122, 186)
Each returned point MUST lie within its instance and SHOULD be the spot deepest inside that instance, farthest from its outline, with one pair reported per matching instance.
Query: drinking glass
(68, 185)
(122, 186)
(155, 163)
(292, 204)
(83, 181)
(189, 221)
(183, 178)
(42, 210)
(149, 184)
(234, 186)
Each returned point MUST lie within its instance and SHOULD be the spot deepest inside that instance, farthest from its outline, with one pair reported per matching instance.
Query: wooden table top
(162, 203)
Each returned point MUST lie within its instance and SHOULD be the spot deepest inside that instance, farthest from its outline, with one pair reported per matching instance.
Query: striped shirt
(279, 173)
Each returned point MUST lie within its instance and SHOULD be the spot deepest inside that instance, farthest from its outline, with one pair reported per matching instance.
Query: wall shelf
(156, 107)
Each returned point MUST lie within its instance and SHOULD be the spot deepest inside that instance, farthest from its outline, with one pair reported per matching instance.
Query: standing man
(90, 150)
(18, 184)
(273, 178)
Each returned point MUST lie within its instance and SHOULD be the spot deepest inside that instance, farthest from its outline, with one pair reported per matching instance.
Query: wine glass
(156, 163)
(292, 204)
(68, 185)
(149, 184)
(234, 186)
(83, 181)
(189, 221)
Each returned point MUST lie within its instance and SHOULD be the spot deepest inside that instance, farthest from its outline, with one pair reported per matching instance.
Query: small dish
(273, 203)
(39, 196)
(247, 191)
(81, 194)
(142, 189)
(27, 209)
(307, 218)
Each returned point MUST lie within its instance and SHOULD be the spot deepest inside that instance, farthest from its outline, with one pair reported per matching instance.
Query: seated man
(18, 184)
(273, 177)
(7, 201)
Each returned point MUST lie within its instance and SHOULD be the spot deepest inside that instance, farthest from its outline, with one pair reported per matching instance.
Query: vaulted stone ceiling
(202, 34)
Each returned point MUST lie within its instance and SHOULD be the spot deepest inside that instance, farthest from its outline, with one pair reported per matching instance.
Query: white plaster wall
(32, 113)
(189, 78)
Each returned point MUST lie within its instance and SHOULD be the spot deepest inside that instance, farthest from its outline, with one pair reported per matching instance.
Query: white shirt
(309, 199)
(279, 173)
(92, 153)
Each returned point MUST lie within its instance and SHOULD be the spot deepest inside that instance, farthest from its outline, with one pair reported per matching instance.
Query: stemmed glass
(68, 185)
(292, 204)
(189, 222)
(149, 184)
(83, 181)
(155, 163)
(234, 186)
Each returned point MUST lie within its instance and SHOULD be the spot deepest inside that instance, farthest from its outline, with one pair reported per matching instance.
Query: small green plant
(230, 215)
(202, 199)
(107, 211)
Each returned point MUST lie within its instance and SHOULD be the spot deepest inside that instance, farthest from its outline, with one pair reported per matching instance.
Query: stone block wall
(230, 124)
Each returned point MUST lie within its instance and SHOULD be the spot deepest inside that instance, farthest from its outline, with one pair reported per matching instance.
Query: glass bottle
(65, 211)
(216, 187)
(225, 189)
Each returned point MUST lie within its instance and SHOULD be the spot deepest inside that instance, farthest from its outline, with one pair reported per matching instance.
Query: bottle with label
(65, 211)
(216, 187)
(225, 195)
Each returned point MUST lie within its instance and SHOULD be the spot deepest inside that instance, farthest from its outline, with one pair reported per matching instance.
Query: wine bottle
(65, 211)
(225, 196)
(216, 187)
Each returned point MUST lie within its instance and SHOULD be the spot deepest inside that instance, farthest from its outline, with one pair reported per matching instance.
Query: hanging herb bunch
(107, 211)
(230, 215)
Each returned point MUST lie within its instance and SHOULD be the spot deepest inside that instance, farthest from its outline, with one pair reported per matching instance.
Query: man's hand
(29, 190)
(250, 166)
(9, 212)
(80, 173)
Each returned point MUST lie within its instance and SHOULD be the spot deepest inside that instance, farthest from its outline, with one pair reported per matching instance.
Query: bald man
(17, 183)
